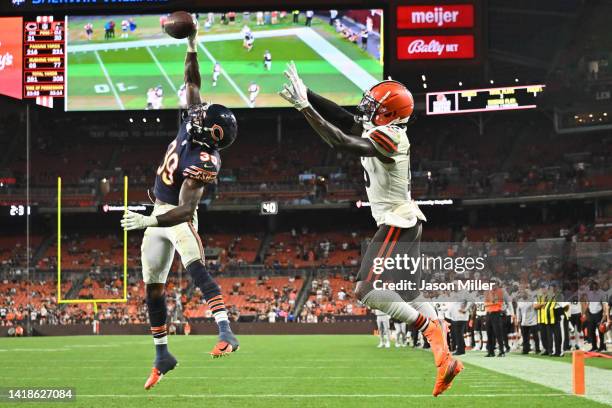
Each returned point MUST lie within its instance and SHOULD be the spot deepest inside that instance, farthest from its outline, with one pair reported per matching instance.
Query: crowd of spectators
(515, 254)
(304, 248)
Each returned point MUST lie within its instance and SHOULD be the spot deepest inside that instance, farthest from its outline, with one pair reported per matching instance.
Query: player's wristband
(192, 46)
(300, 105)
(151, 221)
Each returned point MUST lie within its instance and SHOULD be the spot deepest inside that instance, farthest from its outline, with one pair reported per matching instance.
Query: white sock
(392, 304)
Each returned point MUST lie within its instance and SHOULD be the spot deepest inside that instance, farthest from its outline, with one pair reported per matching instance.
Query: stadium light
(425, 85)
(157, 119)
(460, 83)
(131, 120)
(423, 77)
(144, 120)
(516, 80)
(491, 81)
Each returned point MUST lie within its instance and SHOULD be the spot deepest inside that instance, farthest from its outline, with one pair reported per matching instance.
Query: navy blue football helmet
(211, 125)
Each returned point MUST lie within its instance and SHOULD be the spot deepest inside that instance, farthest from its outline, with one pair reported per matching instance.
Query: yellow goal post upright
(59, 253)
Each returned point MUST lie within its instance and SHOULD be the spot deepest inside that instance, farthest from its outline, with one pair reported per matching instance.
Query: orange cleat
(162, 366)
(223, 348)
(448, 367)
(446, 373)
(436, 336)
(153, 379)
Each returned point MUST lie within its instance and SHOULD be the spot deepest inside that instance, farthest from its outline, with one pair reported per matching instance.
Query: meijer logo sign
(435, 16)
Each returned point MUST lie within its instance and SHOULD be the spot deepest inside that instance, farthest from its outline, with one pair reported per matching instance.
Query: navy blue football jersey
(183, 160)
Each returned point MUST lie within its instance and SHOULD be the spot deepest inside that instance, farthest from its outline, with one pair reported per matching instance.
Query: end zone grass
(268, 371)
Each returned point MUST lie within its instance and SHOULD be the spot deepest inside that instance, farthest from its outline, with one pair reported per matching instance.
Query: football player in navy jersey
(191, 162)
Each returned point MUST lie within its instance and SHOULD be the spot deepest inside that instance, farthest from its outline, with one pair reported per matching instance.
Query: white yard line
(310, 396)
(227, 77)
(162, 70)
(552, 374)
(349, 68)
(172, 41)
(110, 82)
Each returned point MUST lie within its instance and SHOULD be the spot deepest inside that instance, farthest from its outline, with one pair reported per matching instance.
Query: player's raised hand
(134, 221)
(296, 92)
(192, 40)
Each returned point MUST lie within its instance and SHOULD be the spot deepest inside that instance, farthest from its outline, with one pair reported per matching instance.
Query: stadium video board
(127, 62)
(484, 100)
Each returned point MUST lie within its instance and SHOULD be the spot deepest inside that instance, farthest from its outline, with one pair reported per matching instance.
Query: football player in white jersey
(378, 136)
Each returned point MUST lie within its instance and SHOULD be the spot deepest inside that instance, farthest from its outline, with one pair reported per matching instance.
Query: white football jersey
(388, 184)
(480, 309)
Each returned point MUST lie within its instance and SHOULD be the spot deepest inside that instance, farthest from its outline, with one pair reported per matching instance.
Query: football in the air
(179, 24)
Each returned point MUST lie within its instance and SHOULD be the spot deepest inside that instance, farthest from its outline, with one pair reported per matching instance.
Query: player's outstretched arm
(189, 197)
(193, 81)
(335, 113)
(297, 95)
(336, 138)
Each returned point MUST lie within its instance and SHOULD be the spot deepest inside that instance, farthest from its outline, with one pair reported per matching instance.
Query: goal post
(59, 253)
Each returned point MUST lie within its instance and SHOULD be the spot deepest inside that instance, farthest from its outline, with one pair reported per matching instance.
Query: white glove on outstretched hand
(133, 221)
(192, 40)
(296, 92)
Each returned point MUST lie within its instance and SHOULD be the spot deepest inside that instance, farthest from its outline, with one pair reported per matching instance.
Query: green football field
(116, 74)
(272, 371)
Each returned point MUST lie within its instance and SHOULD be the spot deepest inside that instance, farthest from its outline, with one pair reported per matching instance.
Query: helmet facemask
(198, 132)
(369, 106)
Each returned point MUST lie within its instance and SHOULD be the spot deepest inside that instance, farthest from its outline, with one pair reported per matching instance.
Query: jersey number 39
(169, 165)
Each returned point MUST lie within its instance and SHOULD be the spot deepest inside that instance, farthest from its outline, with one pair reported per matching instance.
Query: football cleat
(446, 373)
(222, 348)
(157, 372)
(436, 336)
(153, 379)
(227, 344)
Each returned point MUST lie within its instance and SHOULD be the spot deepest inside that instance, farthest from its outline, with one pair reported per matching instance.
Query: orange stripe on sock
(158, 329)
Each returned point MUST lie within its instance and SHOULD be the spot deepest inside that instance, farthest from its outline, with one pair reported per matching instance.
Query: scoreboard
(44, 59)
(483, 100)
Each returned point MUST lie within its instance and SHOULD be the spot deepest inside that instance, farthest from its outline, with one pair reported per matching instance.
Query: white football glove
(192, 40)
(296, 92)
(133, 221)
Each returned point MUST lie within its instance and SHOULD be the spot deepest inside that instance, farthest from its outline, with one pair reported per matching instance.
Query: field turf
(268, 371)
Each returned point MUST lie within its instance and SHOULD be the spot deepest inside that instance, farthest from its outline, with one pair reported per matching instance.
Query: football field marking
(161, 68)
(310, 396)
(94, 301)
(227, 77)
(110, 82)
(531, 369)
(346, 66)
